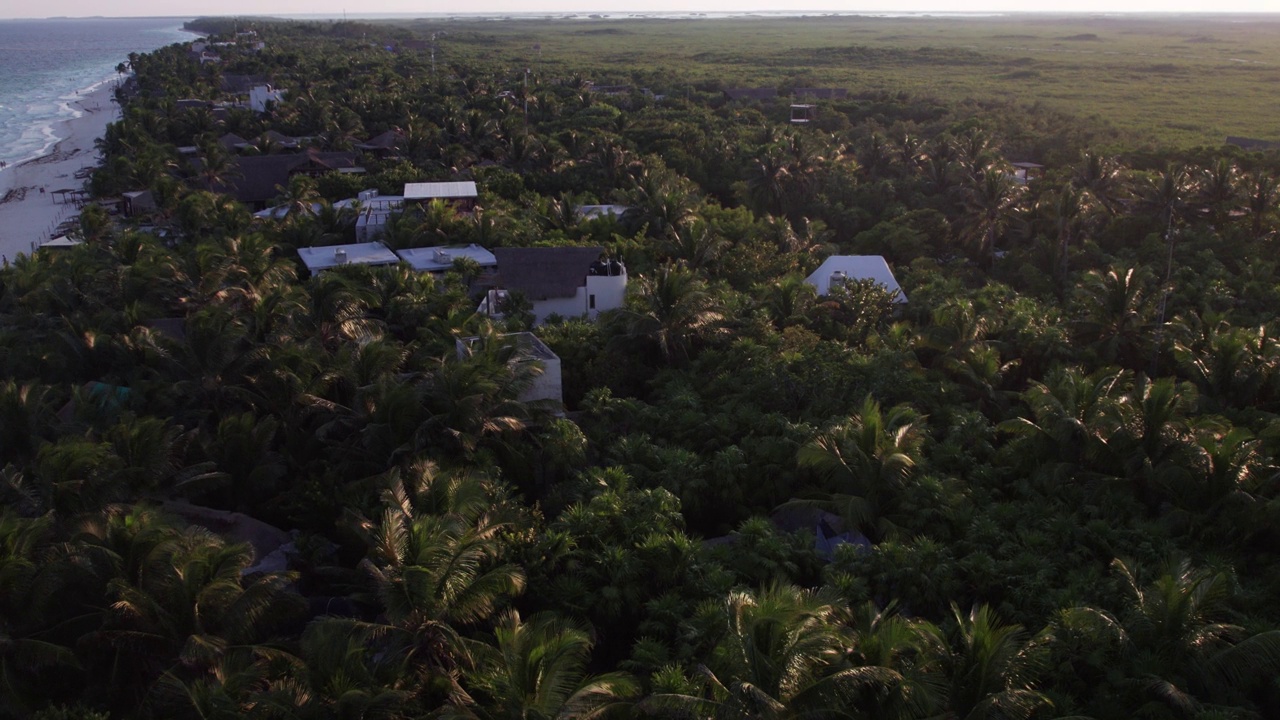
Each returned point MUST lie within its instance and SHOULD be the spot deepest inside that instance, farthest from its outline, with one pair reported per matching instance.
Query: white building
(461, 195)
(374, 212)
(839, 269)
(566, 281)
(260, 95)
(526, 347)
(591, 212)
(440, 259)
(319, 259)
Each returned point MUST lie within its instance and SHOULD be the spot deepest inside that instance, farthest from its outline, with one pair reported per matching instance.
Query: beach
(29, 216)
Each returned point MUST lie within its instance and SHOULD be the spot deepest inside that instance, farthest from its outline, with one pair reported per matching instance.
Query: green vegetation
(1056, 465)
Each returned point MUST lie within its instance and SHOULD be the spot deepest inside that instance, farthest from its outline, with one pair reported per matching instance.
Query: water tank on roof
(443, 257)
(340, 256)
(598, 268)
(838, 278)
(616, 268)
(367, 195)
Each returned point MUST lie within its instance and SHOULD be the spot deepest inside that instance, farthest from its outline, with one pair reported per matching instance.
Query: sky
(82, 8)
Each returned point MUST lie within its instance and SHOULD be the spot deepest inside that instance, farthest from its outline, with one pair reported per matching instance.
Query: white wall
(259, 97)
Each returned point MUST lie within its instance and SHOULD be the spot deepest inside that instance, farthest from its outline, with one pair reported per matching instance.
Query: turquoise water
(44, 63)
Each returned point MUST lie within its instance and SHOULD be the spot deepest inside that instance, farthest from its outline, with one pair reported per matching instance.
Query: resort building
(439, 260)
(566, 281)
(548, 386)
(319, 259)
(839, 269)
(461, 195)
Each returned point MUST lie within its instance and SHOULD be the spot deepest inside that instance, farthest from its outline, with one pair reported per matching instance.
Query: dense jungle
(1053, 469)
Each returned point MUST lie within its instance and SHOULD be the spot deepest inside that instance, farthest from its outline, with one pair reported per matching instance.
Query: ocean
(44, 63)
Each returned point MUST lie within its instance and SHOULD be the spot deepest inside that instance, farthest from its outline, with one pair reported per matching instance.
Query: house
(62, 242)
(319, 259)
(255, 180)
(839, 269)
(232, 142)
(235, 84)
(260, 95)
(565, 281)
(374, 212)
(462, 195)
(385, 145)
(440, 259)
(137, 202)
(801, 114)
(547, 386)
(764, 93)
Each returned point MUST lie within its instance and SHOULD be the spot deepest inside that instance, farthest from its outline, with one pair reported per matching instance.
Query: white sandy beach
(27, 215)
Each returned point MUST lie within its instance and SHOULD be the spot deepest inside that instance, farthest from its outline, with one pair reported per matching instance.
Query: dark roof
(255, 178)
(1252, 143)
(821, 93)
(280, 138)
(232, 141)
(751, 93)
(543, 273)
(386, 141)
(242, 84)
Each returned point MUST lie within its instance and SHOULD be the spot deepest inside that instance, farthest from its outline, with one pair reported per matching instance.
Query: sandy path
(28, 216)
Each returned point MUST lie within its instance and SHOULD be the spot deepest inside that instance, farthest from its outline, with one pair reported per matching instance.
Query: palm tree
(1174, 643)
(673, 307)
(990, 205)
(1217, 192)
(433, 559)
(992, 668)
(1261, 193)
(869, 459)
(538, 669)
(1115, 315)
(1100, 176)
(780, 654)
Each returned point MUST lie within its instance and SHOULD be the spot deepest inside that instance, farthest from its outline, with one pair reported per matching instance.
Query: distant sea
(43, 63)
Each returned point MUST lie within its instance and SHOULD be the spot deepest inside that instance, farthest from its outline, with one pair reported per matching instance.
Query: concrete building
(525, 347)
(319, 259)
(440, 259)
(461, 195)
(566, 281)
(260, 95)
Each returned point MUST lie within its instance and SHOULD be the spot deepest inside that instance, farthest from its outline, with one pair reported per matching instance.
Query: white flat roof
(443, 190)
(857, 267)
(324, 258)
(425, 260)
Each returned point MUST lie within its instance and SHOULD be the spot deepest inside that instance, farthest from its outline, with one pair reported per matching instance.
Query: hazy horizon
(163, 8)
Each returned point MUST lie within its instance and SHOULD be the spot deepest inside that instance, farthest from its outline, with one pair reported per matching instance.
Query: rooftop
(855, 267)
(440, 258)
(546, 272)
(439, 190)
(331, 256)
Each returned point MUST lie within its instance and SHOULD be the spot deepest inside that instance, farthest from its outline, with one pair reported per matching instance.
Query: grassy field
(1165, 80)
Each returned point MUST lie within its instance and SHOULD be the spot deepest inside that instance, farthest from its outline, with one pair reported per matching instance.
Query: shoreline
(28, 216)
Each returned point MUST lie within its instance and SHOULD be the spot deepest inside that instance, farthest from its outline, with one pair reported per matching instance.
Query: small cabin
(803, 113)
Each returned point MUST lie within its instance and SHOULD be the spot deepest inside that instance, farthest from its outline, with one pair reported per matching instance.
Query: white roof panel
(856, 267)
(427, 260)
(331, 256)
(442, 190)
